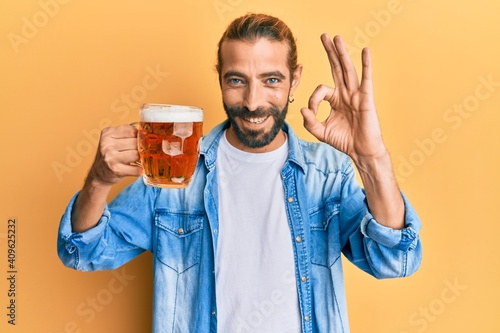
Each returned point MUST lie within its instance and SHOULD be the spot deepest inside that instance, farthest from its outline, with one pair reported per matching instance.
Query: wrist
(94, 184)
(374, 163)
(382, 192)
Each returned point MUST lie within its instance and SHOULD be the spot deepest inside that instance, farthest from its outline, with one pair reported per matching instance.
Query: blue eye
(234, 81)
(273, 80)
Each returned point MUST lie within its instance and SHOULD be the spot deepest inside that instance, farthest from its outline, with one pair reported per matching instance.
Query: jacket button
(180, 230)
(298, 239)
(303, 279)
(290, 199)
(306, 318)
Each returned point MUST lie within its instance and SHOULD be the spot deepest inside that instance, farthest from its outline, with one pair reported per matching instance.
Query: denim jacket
(327, 214)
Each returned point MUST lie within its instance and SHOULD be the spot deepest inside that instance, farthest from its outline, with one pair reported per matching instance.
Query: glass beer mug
(169, 142)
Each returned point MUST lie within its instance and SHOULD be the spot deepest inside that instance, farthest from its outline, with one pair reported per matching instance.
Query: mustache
(244, 112)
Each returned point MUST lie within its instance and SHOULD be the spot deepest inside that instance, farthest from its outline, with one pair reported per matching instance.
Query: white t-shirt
(256, 289)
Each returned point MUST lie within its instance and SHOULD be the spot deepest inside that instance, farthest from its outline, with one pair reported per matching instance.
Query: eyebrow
(233, 74)
(273, 74)
(263, 75)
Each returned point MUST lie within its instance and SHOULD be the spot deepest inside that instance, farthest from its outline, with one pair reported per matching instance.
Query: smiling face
(256, 83)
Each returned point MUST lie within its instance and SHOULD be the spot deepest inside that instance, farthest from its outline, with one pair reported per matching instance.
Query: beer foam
(162, 113)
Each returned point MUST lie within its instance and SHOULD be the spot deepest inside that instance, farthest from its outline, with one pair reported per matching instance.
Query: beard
(256, 138)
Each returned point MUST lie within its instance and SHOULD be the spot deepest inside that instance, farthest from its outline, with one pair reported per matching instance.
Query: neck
(277, 142)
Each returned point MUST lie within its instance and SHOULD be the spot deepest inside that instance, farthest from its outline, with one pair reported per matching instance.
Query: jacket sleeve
(381, 251)
(123, 232)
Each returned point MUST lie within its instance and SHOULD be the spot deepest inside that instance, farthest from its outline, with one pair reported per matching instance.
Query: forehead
(259, 55)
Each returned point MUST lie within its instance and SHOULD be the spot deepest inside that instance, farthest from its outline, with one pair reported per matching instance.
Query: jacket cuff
(405, 239)
(76, 239)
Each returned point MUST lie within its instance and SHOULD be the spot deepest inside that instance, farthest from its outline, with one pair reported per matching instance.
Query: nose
(253, 98)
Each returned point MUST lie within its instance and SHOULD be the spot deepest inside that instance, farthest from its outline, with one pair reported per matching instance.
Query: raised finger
(333, 58)
(349, 71)
(366, 73)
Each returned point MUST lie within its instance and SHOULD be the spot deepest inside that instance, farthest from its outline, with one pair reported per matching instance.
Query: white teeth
(256, 120)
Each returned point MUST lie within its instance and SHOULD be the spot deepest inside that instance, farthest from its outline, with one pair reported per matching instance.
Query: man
(254, 243)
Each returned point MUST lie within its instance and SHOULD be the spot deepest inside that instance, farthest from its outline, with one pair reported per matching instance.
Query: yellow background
(67, 68)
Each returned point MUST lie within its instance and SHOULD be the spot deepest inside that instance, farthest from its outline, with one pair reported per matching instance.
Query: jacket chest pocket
(178, 243)
(325, 241)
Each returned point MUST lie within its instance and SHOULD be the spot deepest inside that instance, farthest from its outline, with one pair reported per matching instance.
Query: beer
(169, 142)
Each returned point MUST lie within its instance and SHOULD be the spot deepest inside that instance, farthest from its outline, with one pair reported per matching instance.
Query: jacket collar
(210, 143)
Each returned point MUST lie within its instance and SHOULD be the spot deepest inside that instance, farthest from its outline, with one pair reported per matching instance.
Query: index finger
(120, 132)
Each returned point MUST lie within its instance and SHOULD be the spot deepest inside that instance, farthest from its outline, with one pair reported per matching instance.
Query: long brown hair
(253, 26)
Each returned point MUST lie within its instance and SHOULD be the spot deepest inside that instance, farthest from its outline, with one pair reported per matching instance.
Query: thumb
(312, 124)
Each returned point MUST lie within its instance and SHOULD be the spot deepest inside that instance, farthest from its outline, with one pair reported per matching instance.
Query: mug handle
(136, 163)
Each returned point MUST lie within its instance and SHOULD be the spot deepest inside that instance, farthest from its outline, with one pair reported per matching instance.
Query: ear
(296, 75)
